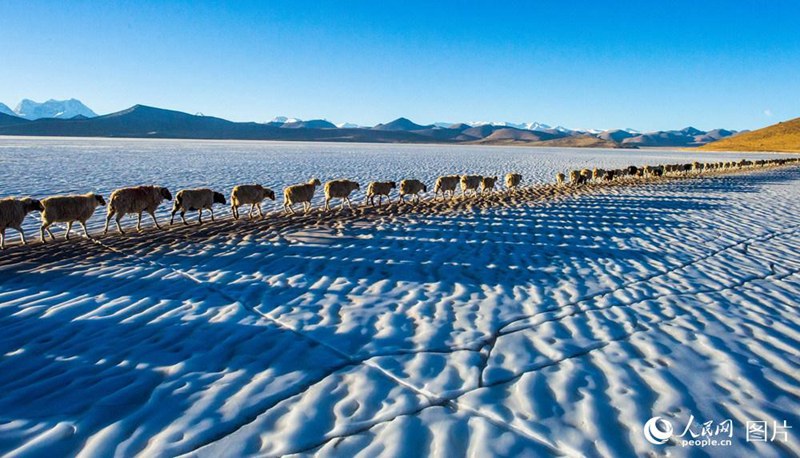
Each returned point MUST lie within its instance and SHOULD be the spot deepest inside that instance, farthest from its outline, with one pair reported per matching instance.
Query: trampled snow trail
(537, 329)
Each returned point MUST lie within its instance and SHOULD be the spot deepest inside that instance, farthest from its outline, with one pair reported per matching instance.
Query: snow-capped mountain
(64, 109)
(535, 126)
(347, 125)
(6, 110)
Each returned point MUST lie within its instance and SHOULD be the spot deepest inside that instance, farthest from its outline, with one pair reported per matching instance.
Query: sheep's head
(269, 193)
(315, 182)
(392, 185)
(99, 199)
(219, 198)
(354, 185)
(424, 188)
(165, 193)
(32, 205)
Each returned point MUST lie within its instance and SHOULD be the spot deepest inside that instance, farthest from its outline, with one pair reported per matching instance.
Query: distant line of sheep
(146, 199)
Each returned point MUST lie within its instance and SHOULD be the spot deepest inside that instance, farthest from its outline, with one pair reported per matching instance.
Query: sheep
(446, 183)
(560, 178)
(577, 177)
(300, 193)
(195, 199)
(632, 170)
(12, 213)
(413, 188)
(252, 194)
(68, 209)
(339, 189)
(513, 180)
(135, 200)
(470, 183)
(487, 184)
(598, 174)
(380, 189)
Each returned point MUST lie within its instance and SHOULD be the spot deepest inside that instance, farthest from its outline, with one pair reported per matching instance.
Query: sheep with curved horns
(136, 199)
(12, 214)
(487, 184)
(339, 189)
(412, 188)
(513, 180)
(68, 209)
(446, 183)
(561, 178)
(380, 189)
(300, 193)
(470, 183)
(252, 194)
(195, 199)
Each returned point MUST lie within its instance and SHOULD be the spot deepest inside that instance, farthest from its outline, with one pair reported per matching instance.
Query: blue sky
(645, 64)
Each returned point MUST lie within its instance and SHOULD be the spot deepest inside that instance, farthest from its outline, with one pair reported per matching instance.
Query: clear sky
(642, 64)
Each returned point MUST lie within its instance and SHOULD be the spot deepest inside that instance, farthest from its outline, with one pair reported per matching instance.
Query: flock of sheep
(146, 199)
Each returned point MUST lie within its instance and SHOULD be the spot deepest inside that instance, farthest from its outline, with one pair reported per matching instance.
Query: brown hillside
(784, 136)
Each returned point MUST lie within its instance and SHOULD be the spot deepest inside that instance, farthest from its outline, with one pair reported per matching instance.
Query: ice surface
(556, 328)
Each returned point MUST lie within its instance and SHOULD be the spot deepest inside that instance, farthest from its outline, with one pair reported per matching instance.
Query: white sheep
(68, 209)
(446, 183)
(300, 193)
(380, 189)
(561, 178)
(513, 180)
(137, 200)
(470, 183)
(339, 189)
(252, 194)
(195, 199)
(412, 188)
(12, 213)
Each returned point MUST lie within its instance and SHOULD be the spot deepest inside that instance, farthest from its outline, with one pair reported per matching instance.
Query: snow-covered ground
(559, 327)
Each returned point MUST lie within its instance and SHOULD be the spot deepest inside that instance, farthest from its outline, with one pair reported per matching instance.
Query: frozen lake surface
(40, 167)
(555, 328)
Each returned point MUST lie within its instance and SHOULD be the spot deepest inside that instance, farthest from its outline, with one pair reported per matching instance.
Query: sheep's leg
(252, 209)
(22, 235)
(212, 214)
(327, 201)
(200, 215)
(139, 223)
(153, 215)
(85, 232)
(119, 227)
(288, 209)
(172, 217)
(41, 232)
(3, 239)
(183, 217)
(260, 212)
(108, 221)
(235, 212)
(69, 228)
(349, 204)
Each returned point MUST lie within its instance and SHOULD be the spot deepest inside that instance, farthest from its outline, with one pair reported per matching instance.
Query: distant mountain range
(784, 136)
(72, 118)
